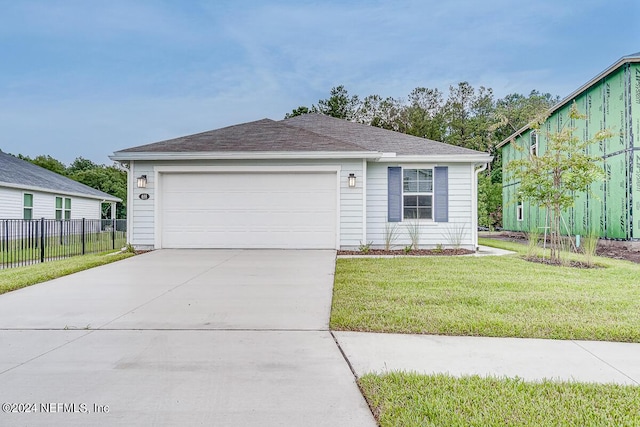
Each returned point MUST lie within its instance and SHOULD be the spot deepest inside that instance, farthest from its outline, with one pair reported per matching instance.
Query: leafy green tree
(516, 110)
(80, 164)
(425, 115)
(549, 179)
(47, 162)
(339, 104)
(297, 112)
(109, 179)
(489, 202)
(383, 113)
(468, 116)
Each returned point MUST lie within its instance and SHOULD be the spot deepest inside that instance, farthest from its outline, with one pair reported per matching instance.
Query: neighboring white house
(28, 191)
(310, 181)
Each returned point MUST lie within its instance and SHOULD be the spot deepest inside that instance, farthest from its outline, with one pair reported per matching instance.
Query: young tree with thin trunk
(549, 179)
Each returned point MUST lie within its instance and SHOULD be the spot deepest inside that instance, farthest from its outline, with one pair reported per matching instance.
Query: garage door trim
(160, 170)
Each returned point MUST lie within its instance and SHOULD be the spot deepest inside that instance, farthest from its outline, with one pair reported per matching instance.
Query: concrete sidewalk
(529, 359)
(489, 251)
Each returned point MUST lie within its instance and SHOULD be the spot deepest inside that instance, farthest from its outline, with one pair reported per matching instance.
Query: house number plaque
(144, 196)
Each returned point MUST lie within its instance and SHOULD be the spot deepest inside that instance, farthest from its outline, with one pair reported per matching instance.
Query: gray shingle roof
(261, 135)
(373, 138)
(306, 133)
(22, 173)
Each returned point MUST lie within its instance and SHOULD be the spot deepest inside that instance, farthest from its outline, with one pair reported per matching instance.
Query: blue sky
(86, 78)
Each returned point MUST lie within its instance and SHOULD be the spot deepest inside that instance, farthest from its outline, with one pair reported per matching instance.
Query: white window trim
(63, 210)
(533, 148)
(431, 168)
(519, 211)
(27, 207)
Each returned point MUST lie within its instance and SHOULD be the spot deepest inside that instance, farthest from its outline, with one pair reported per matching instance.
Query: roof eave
(572, 95)
(60, 192)
(243, 155)
(437, 158)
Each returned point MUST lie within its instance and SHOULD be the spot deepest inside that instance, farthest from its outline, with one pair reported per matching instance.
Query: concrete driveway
(179, 337)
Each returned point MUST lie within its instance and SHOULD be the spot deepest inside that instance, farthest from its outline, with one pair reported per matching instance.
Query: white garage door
(248, 210)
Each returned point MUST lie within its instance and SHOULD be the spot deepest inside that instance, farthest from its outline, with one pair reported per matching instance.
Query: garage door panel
(273, 200)
(230, 218)
(249, 210)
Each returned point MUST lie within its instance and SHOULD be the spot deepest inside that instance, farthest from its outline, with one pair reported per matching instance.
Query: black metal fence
(24, 242)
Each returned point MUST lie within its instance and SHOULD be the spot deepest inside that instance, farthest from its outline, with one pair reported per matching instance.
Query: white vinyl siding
(11, 203)
(44, 205)
(432, 233)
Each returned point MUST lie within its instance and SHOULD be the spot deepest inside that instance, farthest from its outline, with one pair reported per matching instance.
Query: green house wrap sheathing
(612, 207)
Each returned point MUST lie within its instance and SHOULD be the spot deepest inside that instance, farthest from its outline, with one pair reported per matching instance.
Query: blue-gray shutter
(441, 194)
(394, 194)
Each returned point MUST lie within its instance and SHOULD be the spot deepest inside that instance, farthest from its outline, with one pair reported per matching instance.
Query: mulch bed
(419, 252)
(567, 263)
(615, 252)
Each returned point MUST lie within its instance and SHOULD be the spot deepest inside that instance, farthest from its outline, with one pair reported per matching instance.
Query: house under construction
(611, 100)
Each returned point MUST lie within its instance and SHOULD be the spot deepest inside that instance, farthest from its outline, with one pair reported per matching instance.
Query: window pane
(409, 213)
(58, 202)
(28, 213)
(425, 177)
(67, 214)
(410, 178)
(410, 186)
(424, 201)
(424, 213)
(28, 200)
(410, 174)
(425, 187)
(410, 201)
(67, 203)
(425, 174)
(58, 214)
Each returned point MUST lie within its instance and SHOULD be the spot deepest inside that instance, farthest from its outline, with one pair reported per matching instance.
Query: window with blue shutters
(418, 193)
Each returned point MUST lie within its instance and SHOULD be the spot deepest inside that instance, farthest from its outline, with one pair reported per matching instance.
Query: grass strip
(409, 399)
(20, 277)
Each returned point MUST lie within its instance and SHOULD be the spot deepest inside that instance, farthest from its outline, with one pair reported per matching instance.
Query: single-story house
(310, 181)
(28, 191)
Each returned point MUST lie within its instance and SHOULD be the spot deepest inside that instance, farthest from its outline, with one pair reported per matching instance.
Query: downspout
(474, 204)
(126, 166)
(364, 201)
(130, 202)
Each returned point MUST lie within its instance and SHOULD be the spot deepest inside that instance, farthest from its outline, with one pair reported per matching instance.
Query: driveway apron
(179, 337)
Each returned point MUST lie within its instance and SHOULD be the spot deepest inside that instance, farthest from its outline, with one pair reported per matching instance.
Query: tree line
(109, 179)
(466, 116)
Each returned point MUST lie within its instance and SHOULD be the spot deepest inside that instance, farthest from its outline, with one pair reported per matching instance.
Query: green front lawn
(19, 277)
(488, 296)
(403, 399)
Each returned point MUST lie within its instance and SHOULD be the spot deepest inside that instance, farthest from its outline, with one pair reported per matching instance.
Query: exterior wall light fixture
(142, 181)
(352, 180)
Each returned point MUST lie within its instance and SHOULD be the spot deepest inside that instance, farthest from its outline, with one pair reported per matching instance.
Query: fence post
(42, 239)
(113, 233)
(83, 237)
